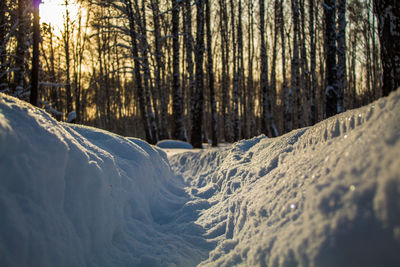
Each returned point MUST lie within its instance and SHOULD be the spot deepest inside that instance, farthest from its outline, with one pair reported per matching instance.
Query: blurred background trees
(202, 70)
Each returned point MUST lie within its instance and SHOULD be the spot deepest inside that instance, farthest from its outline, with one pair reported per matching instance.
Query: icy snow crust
(328, 195)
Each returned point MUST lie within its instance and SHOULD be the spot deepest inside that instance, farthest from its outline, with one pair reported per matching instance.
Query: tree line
(201, 70)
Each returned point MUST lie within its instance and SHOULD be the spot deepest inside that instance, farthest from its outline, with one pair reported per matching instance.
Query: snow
(174, 144)
(327, 195)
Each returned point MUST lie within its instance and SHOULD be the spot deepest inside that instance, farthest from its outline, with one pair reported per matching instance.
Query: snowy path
(327, 195)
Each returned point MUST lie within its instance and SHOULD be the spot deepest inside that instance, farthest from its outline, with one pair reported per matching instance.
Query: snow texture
(77, 196)
(327, 195)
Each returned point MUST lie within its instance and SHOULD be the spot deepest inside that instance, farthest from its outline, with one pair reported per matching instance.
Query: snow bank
(328, 195)
(174, 144)
(78, 196)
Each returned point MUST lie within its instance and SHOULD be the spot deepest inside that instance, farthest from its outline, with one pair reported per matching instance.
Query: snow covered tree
(388, 14)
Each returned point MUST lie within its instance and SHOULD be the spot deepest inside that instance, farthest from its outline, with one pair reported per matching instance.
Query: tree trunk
(148, 86)
(177, 113)
(214, 122)
(314, 110)
(341, 53)
(197, 109)
(158, 70)
(264, 87)
(137, 65)
(235, 90)
(285, 91)
(35, 55)
(331, 90)
(3, 44)
(223, 22)
(21, 49)
(388, 13)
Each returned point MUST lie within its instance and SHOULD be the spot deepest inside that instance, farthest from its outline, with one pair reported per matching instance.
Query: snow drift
(78, 196)
(327, 195)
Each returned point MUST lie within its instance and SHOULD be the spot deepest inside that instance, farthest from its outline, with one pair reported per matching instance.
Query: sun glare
(53, 11)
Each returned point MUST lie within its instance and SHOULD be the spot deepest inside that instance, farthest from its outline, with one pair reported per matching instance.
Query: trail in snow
(327, 195)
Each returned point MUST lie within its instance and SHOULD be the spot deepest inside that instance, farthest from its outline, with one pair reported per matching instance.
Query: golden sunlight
(53, 12)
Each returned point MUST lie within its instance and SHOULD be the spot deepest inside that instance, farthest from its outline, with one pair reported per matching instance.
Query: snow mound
(174, 144)
(327, 195)
(78, 196)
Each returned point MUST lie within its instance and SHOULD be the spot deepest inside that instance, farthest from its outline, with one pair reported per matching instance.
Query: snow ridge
(78, 196)
(326, 195)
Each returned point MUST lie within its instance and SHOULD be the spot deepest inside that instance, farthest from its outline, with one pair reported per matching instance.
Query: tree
(35, 56)
(138, 79)
(21, 47)
(331, 90)
(314, 110)
(66, 39)
(341, 55)
(179, 131)
(264, 88)
(159, 68)
(214, 122)
(197, 109)
(4, 36)
(388, 14)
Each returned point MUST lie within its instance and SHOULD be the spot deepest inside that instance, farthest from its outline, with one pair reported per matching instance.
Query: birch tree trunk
(223, 23)
(235, 89)
(158, 70)
(66, 39)
(264, 86)
(177, 113)
(137, 65)
(148, 85)
(210, 70)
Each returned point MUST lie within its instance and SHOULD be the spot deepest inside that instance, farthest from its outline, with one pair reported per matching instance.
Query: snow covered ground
(327, 195)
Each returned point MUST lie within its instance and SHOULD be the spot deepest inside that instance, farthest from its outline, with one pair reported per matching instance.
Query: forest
(202, 71)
